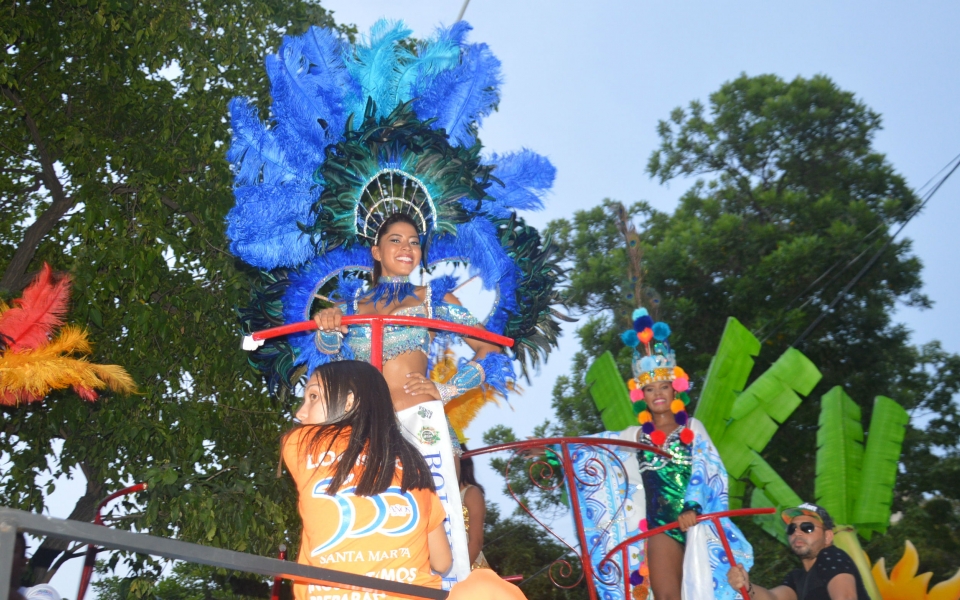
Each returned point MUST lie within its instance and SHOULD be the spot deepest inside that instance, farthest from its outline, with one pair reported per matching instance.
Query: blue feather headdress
(357, 132)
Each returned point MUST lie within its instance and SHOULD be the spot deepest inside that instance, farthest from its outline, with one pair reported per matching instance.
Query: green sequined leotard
(665, 482)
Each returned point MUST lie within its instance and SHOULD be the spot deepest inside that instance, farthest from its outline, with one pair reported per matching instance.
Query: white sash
(425, 426)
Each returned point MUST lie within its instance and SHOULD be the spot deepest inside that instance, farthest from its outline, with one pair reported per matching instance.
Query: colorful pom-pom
(632, 384)
(681, 384)
(644, 569)
(644, 416)
(658, 437)
(636, 395)
(639, 312)
(644, 322)
(646, 335)
(686, 436)
(636, 578)
(685, 397)
(639, 407)
(680, 417)
(629, 337)
(678, 372)
(661, 331)
(648, 427)
(676, 406)
(648, 363)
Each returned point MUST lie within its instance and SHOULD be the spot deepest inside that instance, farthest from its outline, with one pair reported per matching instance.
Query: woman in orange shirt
(367, 498)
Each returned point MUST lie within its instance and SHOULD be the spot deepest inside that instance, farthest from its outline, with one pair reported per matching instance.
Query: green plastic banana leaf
(757, 412)
(726, 377)
(839, 455)
(772, 524)
(610, 393)
(871, 511)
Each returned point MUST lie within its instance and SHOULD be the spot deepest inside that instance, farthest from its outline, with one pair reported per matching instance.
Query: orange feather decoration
(33, 363)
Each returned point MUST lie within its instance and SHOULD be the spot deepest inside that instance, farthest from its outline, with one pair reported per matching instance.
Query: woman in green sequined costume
(665, 484)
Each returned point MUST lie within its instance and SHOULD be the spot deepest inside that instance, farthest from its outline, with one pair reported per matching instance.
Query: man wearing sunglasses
(828, 573)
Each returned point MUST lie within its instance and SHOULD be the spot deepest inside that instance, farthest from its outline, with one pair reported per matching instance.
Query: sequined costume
(399, 339)
(665, 483)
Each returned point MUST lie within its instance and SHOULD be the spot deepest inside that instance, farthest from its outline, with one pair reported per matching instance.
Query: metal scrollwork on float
(552, 461)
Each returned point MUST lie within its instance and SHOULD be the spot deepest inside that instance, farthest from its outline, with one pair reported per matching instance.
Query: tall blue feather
(309, 85)
(433, 57)
(461, 97)
(300, 293)
(255, 152)
(263, 225)
(526, 178)
(376, 67)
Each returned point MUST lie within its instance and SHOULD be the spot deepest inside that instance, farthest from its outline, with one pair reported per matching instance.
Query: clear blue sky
(586, 82)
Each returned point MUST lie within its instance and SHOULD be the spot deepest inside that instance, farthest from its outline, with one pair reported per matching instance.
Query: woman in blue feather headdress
(369, 161)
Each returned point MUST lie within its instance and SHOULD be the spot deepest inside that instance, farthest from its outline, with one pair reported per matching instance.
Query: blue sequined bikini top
(398, 339)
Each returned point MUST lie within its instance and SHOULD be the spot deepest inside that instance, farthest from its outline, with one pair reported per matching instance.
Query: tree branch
(15, 277)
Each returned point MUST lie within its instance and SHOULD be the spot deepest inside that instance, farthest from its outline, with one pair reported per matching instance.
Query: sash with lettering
(425, 426)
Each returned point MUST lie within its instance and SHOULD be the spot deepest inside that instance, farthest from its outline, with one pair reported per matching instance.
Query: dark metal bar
(89, 533)
(8, 541)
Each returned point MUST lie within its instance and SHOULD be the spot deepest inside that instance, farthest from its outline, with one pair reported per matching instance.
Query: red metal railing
(621, 548)
(593, 472)
(90, 560)
(376, 323)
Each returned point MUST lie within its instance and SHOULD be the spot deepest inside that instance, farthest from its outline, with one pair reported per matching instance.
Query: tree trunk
(51, 548)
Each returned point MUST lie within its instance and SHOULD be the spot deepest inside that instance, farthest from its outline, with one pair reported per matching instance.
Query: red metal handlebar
(90, 559)
(377, 322)
(715, 517)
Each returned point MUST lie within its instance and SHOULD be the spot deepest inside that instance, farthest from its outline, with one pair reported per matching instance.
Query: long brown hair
(372, 426)
(382, 232)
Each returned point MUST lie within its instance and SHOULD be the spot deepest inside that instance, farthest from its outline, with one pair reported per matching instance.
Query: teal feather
(377, 65)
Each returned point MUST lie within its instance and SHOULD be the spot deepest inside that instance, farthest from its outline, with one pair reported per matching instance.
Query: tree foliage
(113, 125)
(790, 201)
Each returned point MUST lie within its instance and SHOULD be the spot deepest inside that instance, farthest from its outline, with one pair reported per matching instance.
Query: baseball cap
(811, 510)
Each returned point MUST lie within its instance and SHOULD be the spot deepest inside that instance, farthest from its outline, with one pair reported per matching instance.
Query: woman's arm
(480, 347)
(441, 557)
(477, 510)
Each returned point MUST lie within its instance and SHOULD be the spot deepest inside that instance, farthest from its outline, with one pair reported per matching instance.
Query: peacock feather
(357, 131)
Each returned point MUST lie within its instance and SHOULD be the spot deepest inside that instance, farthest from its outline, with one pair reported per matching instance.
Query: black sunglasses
(806, 527)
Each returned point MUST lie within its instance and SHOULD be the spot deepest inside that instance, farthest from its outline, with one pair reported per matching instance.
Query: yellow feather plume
(30, 375)
(462, 410)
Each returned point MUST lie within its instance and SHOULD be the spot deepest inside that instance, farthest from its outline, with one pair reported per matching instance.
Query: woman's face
(398, 250)
(658, 395)
(313, 411)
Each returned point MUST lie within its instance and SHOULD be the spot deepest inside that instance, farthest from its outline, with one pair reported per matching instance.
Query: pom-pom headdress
(357, 132)
(654, 360)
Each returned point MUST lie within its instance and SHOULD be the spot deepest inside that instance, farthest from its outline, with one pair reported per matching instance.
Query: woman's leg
(665, 560)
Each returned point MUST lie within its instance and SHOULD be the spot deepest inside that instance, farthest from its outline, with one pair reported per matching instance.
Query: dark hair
(372, 426)
(467, 473)
(382, 231)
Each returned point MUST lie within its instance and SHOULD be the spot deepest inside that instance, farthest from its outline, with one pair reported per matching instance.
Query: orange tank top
(383, 536)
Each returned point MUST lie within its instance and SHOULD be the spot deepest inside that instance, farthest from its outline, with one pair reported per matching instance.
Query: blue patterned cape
(612, 508)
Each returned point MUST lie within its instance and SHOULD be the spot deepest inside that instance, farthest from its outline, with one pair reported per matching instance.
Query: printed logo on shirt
(425, 413)
(395, 514)
(428, 435)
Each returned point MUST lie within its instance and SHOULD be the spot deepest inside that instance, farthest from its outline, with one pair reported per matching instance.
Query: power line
(842, 293)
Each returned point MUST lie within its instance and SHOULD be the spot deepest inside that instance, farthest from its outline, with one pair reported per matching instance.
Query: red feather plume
(29, 323)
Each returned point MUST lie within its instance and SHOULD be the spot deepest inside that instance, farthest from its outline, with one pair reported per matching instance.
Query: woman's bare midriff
(395, 372)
